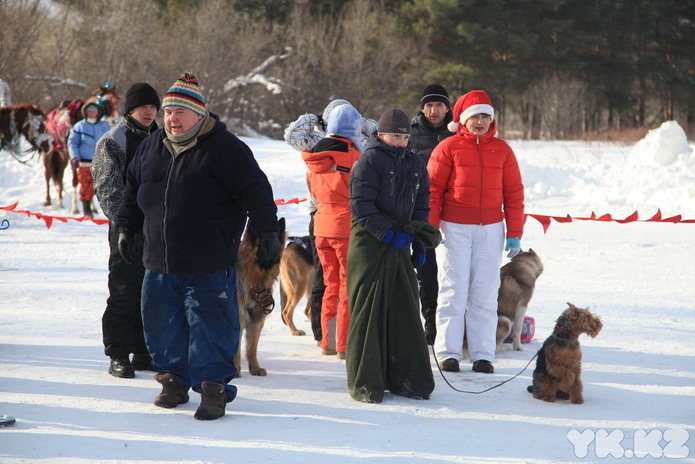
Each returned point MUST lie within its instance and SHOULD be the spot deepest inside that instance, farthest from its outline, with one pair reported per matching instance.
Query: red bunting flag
(544, 220)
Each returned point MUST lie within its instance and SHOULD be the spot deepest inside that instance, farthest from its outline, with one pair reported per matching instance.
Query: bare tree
(303, 60)
(19, 42)
(561, 104)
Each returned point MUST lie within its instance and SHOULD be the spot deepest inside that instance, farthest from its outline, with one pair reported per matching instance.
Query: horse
(58, 121)
(25, 120)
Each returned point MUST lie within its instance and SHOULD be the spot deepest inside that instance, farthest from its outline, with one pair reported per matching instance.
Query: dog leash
(487, 389)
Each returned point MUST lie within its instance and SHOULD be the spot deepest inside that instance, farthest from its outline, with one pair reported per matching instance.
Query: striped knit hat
(186, 94)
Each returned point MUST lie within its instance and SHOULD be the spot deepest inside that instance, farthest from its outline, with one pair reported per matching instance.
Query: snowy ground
(639, 373)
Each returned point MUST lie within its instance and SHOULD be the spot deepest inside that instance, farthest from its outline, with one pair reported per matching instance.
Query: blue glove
(418, 256)
(513, 244)
(398, 239)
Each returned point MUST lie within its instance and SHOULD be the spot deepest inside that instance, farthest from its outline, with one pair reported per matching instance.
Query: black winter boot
(214, 398)
(483, 366)
(172, 395)
(450, 365)
(121, 367)
(87, 207)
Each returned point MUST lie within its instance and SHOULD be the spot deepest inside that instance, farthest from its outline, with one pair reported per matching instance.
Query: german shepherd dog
(517, 282)
(255, 296)
(296, 280)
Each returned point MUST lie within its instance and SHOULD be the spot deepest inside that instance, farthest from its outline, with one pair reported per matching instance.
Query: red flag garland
(282, 202)
(545, 220)
(634, 217)
(49, 219)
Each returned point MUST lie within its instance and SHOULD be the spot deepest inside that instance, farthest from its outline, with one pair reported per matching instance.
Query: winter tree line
(560, 69)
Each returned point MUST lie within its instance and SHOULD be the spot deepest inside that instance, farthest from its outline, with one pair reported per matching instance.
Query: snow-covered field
(639, 373)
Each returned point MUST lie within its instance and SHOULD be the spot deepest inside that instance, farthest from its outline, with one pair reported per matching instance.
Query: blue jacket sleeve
(365, 181)
(422, 201)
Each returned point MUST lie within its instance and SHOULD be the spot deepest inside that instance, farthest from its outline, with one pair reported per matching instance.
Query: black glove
(127, 245)
(269, 248)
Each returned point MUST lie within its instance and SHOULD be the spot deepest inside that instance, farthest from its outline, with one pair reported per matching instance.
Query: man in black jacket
(190, 189)
(428, 128)
(122, 323)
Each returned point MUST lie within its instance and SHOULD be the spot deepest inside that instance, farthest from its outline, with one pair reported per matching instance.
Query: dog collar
(557, 326)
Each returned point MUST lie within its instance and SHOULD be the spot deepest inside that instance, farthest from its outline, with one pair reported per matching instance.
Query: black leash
(487, 389)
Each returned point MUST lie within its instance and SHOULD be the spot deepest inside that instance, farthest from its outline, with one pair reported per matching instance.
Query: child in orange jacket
(330, 164)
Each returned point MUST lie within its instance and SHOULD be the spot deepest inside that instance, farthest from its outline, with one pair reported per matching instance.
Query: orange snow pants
(84, 177)
(335, 315)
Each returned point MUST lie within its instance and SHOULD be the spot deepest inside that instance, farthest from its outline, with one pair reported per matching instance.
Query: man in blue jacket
(81, 145)
(189, 190)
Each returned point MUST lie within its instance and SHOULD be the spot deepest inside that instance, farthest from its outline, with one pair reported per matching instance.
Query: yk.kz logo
(670, 443)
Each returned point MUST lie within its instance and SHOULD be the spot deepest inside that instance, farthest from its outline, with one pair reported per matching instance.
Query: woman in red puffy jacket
(476, 189)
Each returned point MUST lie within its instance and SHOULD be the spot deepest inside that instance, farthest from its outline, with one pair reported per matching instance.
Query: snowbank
(662, 146)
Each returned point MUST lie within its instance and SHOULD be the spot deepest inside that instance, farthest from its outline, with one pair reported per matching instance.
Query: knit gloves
(513, 244)
(398, 239)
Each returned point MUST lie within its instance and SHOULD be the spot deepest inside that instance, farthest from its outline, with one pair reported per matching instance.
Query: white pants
(469, 262)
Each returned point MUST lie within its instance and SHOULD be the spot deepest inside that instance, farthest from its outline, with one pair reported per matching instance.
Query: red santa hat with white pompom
(470, 104)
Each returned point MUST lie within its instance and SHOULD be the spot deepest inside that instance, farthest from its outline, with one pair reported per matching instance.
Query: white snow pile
(662, 146)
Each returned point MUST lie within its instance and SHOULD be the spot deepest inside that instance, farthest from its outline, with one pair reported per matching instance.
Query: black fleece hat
(141, 94)
(394, 121)
(435, 92)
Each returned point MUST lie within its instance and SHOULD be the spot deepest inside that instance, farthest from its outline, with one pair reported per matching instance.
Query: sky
(638, 373)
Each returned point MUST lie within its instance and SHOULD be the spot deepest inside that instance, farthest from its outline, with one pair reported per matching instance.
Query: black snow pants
(122, 321)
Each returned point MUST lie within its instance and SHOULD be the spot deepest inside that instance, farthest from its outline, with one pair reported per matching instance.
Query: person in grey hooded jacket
(121, 323)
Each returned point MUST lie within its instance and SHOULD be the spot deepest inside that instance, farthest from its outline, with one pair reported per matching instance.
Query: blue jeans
(191, 325)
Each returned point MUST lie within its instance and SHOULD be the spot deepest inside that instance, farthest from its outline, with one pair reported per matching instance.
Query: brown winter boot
(172, 395)
(87, 207)
(214, 398)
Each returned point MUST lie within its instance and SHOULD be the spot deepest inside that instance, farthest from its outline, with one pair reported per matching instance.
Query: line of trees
(554, 68)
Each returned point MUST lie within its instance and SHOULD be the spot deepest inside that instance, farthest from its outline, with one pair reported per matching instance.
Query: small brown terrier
(559, 363)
